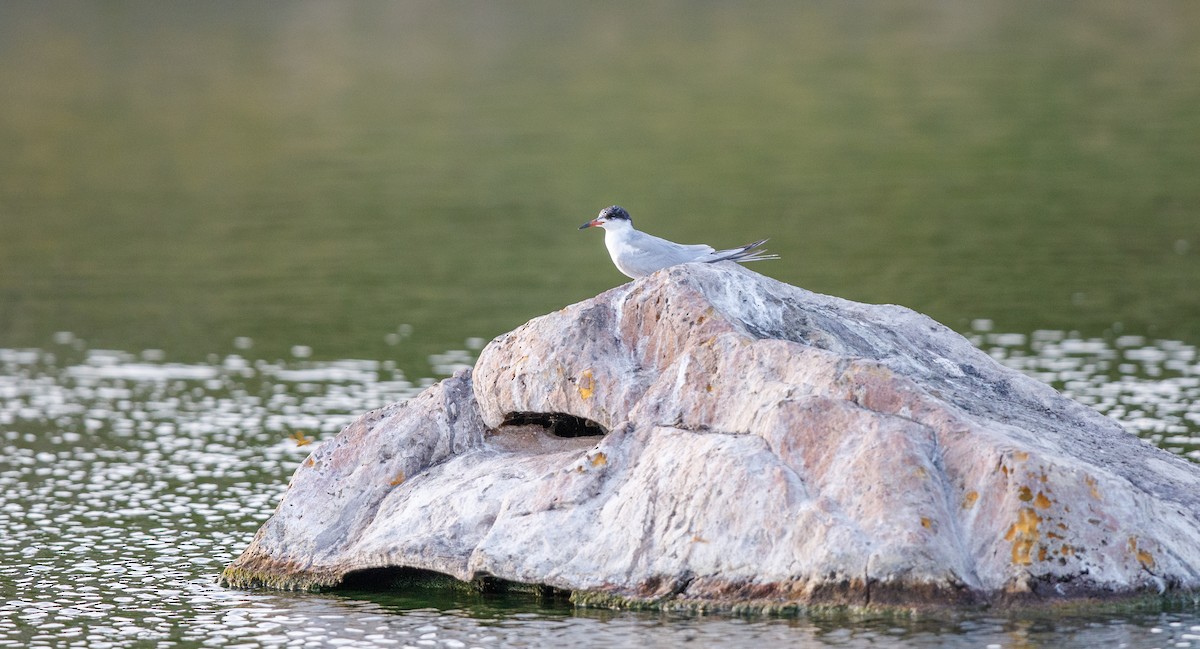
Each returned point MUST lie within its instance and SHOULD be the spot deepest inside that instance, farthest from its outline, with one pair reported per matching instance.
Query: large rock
(765, 447)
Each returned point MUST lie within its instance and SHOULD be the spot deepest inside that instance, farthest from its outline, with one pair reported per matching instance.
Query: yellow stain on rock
(1091, 483)
(876, 371)
(399, 479)
(599, 459)
(587, 385)
(1143, 557)
(969, 499)
(1041, 501)
(1020, 456)
(1023, 535)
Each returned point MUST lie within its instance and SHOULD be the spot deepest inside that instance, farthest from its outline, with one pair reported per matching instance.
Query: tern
(637, 254)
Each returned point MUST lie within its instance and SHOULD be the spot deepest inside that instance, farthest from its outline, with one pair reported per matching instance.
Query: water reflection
(1151, 386)
(128, 481)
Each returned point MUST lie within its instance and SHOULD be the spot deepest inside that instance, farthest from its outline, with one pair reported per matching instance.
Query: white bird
(638, 254)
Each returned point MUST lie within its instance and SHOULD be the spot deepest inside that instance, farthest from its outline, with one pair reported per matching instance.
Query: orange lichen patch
(1025, 494)
(708, 387)
(1143, 557)
(1020, 456)
(1042, 554)
(1091, 483)
(926, 523)
(1066, 550)
(300, 438)
(1004, 469)
(587, 385)
(1023, 535)
(310, 461)
(599, 459)
(1052, 535)
(969, 499)
(1041, 501)
(1021, 551)
(399, 479)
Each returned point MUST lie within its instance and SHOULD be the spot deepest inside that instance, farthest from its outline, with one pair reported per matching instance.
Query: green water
(175, 175)
(234, 198)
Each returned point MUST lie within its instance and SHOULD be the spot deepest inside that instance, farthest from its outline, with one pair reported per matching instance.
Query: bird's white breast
(628, 258)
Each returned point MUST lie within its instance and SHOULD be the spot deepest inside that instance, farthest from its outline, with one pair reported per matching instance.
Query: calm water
(257, 220)
(176, 174)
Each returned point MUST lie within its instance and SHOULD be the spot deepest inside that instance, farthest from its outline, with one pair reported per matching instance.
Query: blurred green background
(174, 175)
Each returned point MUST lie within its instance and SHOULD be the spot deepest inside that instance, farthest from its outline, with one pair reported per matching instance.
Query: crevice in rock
(559, 424)
(409, 580)
(867, 581)
(680, 586)
(398, 578)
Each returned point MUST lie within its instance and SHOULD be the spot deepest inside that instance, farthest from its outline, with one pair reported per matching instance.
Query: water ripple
(127, 482)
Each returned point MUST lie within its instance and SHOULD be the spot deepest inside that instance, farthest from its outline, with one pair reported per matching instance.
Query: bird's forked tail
(748, 252)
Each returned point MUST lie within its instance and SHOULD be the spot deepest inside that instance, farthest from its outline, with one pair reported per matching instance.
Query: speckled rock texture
(765, 447)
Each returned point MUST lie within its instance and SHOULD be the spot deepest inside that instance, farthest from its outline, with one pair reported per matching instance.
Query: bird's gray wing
(675, 253)
(648, 253)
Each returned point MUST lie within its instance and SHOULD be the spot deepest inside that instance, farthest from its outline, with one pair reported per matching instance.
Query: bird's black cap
(615, 212)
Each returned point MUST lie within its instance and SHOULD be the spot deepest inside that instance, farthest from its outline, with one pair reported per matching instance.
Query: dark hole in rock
(428, 583)
(559, 424)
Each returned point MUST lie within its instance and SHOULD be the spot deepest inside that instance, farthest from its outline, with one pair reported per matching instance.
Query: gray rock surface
(766, 447)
